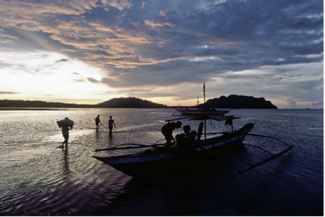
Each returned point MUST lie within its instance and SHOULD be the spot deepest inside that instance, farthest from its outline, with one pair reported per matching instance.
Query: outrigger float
(158, 158)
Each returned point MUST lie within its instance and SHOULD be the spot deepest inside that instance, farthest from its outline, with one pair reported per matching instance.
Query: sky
(88, 52)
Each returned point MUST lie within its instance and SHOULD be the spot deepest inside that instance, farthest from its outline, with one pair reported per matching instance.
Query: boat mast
(205, 123)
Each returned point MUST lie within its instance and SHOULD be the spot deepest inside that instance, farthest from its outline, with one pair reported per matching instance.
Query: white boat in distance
(196, 111)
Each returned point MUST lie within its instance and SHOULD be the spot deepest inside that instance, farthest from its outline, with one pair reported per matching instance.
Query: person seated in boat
(190, 147)
(167, 131)
(181, 138)
(187, 130)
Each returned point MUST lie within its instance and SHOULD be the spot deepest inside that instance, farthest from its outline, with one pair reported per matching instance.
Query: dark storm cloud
(248, 33)
(243, 34)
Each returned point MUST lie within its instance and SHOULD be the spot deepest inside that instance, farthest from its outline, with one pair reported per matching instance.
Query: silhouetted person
(187, 130)
(65, 133)
(181, 138)
(167, 131)
(111, 123)
(190, 147)
(97, 120)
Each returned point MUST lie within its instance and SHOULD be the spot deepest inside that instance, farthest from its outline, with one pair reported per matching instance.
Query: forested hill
(40, 104)
(237, 101)
(130, 102)
(232, 101)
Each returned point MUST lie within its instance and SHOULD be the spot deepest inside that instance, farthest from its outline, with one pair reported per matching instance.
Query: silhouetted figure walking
(66, 125)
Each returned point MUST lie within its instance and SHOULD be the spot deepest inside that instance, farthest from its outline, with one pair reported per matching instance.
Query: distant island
(130, 102)
(40, 104)
(238, 101)
(232, 101)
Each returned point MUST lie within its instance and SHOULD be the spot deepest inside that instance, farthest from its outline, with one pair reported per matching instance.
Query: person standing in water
(97, 120)
(111, 123)
(65, 133)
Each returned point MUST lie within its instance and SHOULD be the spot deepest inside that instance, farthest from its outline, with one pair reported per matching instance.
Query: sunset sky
(162, 51)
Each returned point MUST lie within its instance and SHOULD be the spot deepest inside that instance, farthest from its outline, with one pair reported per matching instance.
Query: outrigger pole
(205, 123)
(266, 160)
(273, 156)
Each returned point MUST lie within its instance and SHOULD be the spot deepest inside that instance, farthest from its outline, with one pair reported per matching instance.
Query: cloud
(62, 60)
(93, 80)
(198, 30)
(153, 24)
(318, 103)
(119, 4)
(166, 43)
(292, 103)
(7, 92)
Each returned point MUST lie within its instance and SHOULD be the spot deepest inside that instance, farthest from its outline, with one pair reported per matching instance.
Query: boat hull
(161, 160)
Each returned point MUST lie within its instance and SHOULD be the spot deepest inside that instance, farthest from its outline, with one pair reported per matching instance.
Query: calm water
(37, 178)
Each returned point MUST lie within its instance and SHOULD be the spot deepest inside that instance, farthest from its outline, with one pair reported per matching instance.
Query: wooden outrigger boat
(161, 159)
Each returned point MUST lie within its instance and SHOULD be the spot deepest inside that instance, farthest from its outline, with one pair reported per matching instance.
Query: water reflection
(97, 137)
(110, 139)
(65, 166)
